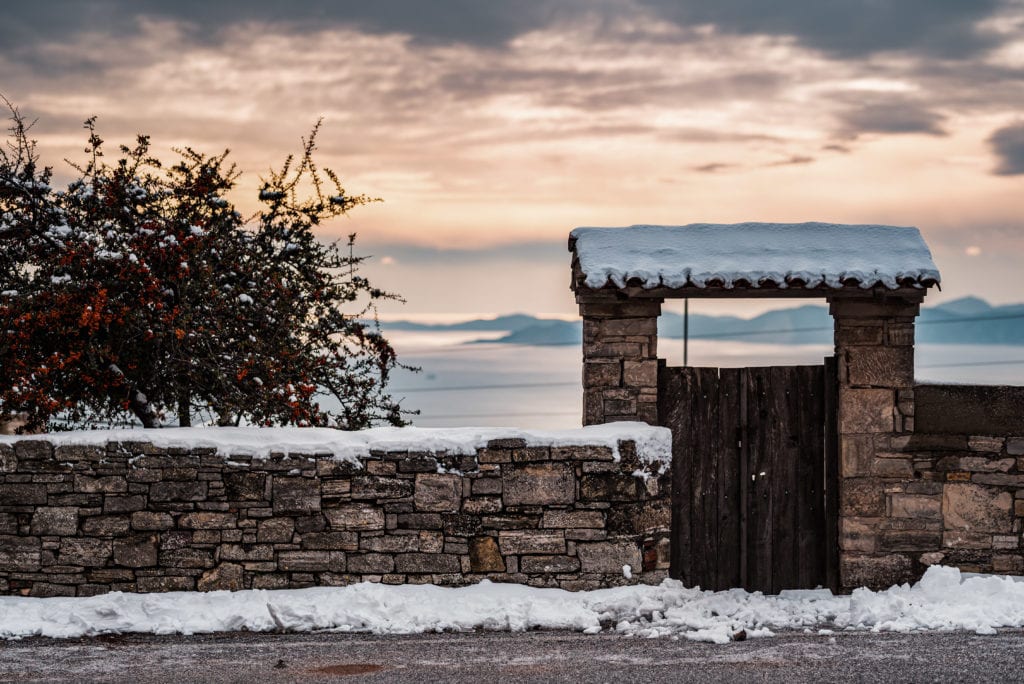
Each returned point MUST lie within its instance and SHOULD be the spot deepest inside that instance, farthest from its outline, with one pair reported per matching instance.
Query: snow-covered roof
(752, 255)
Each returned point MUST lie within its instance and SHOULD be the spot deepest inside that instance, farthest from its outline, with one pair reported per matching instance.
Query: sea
(465, 382)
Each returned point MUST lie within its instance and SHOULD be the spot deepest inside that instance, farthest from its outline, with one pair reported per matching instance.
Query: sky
(491, 129)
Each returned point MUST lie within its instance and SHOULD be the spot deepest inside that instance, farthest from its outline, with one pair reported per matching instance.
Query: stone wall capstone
(84, 519)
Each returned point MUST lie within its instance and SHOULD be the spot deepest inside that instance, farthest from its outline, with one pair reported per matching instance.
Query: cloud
(1008, 145)
(794, 160)
(893, 116)
(848, 28)
(713, 167)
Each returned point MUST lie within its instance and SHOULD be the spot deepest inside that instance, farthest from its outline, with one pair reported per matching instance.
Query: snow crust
(699, 253)
(943, 600)
(653, 444)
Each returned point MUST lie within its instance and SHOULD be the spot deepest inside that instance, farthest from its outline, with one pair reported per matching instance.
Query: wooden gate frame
(874, 350)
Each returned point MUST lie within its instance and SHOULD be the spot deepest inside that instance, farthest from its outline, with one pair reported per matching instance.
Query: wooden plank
(811, 525)
(831, 458)
(759, 492)
(744, 458)
(783, 425)
(705, 440)
(728, 571)
(674, 413)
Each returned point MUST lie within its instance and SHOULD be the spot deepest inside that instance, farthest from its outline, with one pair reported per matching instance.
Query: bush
(140, 291)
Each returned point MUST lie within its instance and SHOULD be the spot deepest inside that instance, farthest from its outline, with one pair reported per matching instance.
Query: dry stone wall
(129, 516)
(951, 492)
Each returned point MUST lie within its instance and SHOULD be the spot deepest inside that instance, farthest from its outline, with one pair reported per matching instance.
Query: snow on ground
(654, 444)
(942, 600)
(696, 254)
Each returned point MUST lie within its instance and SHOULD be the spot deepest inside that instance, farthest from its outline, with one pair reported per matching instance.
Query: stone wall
(951, 492)
(620, 361)
(83, 520)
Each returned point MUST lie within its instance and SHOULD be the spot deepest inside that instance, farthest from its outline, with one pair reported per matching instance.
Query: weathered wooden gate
(754, 475)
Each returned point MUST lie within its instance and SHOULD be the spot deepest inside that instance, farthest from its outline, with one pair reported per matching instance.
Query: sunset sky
(491, 129)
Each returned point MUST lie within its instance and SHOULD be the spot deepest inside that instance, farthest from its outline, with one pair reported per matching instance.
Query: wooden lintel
(586, 295)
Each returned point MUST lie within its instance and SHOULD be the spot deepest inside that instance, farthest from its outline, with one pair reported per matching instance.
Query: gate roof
(750, 260)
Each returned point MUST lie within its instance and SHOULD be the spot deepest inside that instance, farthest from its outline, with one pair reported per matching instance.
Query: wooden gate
(754, 475)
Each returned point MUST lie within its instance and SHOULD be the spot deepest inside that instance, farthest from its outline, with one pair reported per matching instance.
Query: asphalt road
(502, 658)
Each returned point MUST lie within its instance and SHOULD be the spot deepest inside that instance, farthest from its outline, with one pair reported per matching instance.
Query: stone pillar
(881, 511)
(620, 360)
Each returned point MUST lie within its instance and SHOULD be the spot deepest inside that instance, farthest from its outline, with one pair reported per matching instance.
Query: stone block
(640, 373)
(359, 517)
(865, 410)
(106, 525)
(112, 484)
(438, 492)
(915, 541)
(966, 539)
(335, 540)
(245, 486)
(165, 583)
(518, 542)
(531, 454)
(148, 520)
(124, 504)
(538, 484)
(861, 497)
(858, 534)
(163, 492)
(915, 506)
(573, 519)
(610, 487)
(370, 563)
(33, 449)
(486, 485)
(377, 487)
(205, 520)
(975, 508)
(311, 561)
(84, 551)
(892, 467)
(225, 577)
(419, 521)
(602, 373)
(391, 543)
(484, 555)
(419, 563)
(295, 495)
(8, 461)
(21, 554)
(880, 366)
(138, 552)
(481, 505)
(847, 335)
(22, 494)
(55, 520)
(608, 558)
(874, 572)
(982, 464)
(549, 564)
(186, 558)
(986, 444)
(1015, 446)
(245, 552)
(629, 327)
(275, 531)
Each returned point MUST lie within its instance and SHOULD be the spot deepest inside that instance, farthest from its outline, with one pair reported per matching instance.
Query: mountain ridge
(805, 324)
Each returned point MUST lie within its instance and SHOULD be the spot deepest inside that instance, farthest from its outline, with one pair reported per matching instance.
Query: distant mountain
(511, 322)
(968, 320)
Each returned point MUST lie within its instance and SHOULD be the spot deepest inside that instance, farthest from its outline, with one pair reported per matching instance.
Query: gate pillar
(874, 342)
(620, 360)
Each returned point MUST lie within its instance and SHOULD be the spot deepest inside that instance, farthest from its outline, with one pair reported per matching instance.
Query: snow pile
(701, 253)
(653, 444)
(942, 600)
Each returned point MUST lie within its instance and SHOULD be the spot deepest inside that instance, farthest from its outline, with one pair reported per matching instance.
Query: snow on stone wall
(89, 513)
